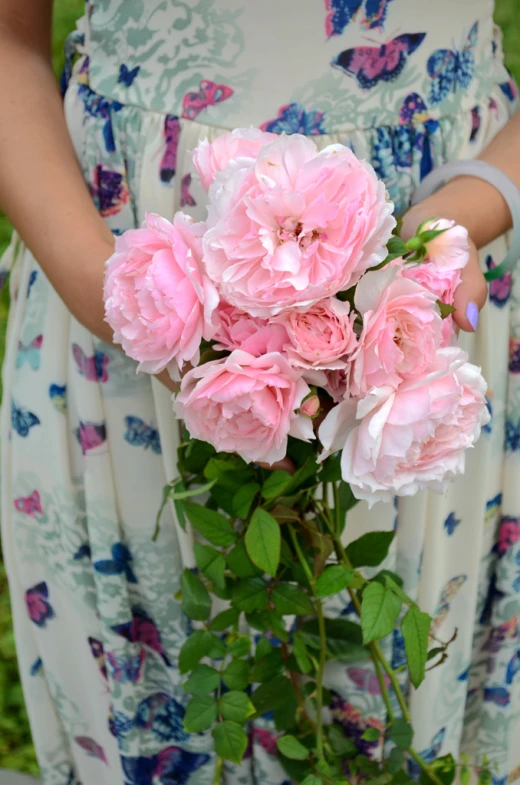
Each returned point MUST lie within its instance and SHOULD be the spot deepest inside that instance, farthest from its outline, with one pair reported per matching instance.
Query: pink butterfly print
(29, 505)
(94, 368)
(92, 748)
(90, 435)
(366, 680)
(507, 631)
(96, 647)
(373, 64)
(142, 629)
(509, 534)
(38, 606)
(187, 199)
(208, 95)
(266, 739)
(130, 670)
(500, 288)
(171, 140)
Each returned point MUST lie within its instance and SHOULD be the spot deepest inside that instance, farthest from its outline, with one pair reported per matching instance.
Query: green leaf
(465, 776)
(285, 715)
(401, 733)
(333, 580)
(236, 675)
(312, 779)
(225, 619)
(340, 744)
(275, 484)
(300, 652)
(243, 499)
(301, 475)
(431, 234)
(239, 562)
(274, 693)
(268, 667)
(484, 777)
(347, 500)
(445, 769)
(230, 741)
(263, 648)
(292, 748)
(445, 309)
(331, 469)
(236, 706)
(371, 734)
(370, 549)
(250, 594)
(178, 493)
(415, 627)
(212, 525)
(263, 541)
(239, 645)
(379, 612)
(197, 646)
(211, 563)
(203, 679)
(344, 639)
(196, 602)
(268, 621)
(196, 455)
(395, 760)
(201, 713)
(290, 599)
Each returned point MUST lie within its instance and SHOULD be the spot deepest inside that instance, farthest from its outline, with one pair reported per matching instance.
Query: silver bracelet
(500, 181)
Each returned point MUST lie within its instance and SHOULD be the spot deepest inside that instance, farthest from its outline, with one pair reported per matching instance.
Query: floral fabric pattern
(88, 444)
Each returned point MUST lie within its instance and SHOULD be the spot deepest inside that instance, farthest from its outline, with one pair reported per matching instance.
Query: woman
(88, 445)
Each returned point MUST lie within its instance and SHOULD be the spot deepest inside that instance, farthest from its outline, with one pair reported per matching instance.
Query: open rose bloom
(288, 287)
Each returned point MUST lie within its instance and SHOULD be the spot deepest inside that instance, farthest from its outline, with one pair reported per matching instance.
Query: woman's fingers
(471, 294)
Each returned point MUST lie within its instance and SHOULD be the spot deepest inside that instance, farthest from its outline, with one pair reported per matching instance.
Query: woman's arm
(41, 186)
(479, 207)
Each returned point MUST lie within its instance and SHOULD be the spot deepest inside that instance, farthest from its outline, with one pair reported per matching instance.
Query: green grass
(16, 751)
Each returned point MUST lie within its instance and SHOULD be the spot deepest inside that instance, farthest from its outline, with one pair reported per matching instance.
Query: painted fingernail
(472, 315)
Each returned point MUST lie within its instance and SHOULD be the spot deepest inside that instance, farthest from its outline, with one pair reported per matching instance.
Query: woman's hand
(471, 294)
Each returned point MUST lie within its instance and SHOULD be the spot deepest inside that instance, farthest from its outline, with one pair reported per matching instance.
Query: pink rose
(238, 330)
(294, 227)
(401, 441)
(402, 330)
(158, 301)
(245, 404)
(321, 337)
(311, 406)
(210, 158)
(449, 250)
(336, 384)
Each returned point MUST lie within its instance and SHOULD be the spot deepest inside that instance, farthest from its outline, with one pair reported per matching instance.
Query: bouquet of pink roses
(295, 297)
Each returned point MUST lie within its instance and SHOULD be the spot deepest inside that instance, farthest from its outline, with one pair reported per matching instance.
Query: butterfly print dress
(88, 444)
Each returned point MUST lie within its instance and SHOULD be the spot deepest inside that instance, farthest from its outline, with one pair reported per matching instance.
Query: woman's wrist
(470, 202)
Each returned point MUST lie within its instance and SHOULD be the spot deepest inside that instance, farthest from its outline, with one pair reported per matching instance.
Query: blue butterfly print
(513, 667)
(126, 670)
(340, 14)
(294, 119)
(29, 354)
(175, 765)
(36, 667)
(509, 89)
(118, 723)
(428, 755)
(498, 695)
(22, 420)
(475, 123)
(464, 676)
(83, 552)
(163, 715)
(32, 279)
(451, 523)
(118, 564)
(398, 650)
(512, 441)
(451, 68)
(488, 427)
(58, 396)
(127, 76)
(373, 64)
(140, 434)
(499, 780)
(500, 289)
(98, 106)
(139, 771)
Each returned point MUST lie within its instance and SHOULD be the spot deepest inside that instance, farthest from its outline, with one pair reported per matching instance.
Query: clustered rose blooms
(286, 284)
